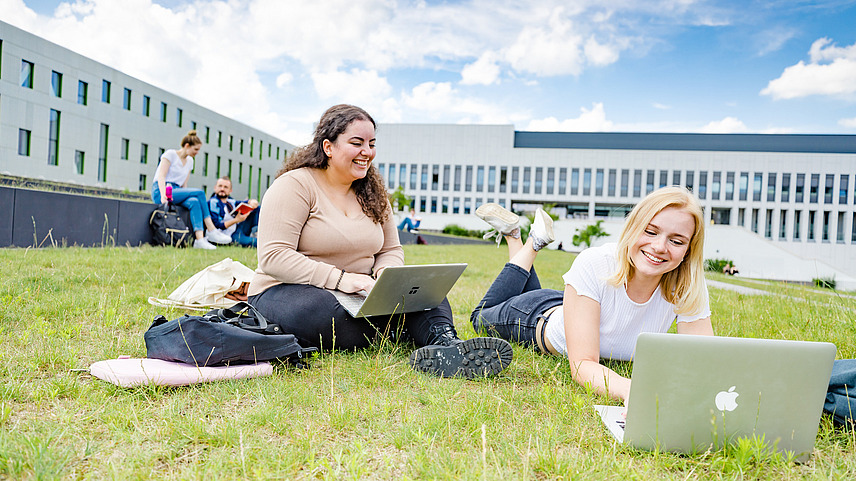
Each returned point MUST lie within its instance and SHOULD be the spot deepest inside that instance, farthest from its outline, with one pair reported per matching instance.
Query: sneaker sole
(548, 224)
(497, 212)
(474, 358)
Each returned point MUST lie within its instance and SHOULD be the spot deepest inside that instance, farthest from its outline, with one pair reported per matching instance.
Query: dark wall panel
(70, 219)
(7, 200)
(134, 223)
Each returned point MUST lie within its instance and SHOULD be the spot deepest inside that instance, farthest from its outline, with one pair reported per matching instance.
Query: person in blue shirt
(240, 227)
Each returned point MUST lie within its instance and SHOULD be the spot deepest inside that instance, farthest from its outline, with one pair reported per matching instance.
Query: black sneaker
(477, 357)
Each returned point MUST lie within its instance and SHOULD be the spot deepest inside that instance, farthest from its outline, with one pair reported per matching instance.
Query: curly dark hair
(370, 190)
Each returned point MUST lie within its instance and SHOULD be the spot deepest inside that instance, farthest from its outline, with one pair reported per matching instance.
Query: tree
(589, 234)
(399, 199)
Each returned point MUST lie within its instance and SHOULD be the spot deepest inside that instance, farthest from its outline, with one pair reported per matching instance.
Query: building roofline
(799, 143)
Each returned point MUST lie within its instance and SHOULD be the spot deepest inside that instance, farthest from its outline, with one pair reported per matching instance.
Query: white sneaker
(218, 237)
(503, 221)
(542, 230)
(203, 244)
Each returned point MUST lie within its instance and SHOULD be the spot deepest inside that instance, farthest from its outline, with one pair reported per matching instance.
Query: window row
(56, 90)
(716, 185)
(797, 225)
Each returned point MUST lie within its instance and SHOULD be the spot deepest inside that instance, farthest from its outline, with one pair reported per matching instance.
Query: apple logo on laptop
(727, 400)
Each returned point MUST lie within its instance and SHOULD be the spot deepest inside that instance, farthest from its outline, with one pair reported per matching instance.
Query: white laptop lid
(690, 393)
(402, 289)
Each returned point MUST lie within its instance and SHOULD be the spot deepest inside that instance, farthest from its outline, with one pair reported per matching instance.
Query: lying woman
(653, 277)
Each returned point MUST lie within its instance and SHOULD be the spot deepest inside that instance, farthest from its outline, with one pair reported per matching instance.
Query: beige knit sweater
(304, 239)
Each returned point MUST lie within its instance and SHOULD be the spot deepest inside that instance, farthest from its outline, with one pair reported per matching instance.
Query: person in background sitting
(239, 227)
(173, 171)
(411, 222)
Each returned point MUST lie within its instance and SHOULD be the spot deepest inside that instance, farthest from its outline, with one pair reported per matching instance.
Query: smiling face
(192, 149)
(223, 189)
(351, 154)
(663, 243)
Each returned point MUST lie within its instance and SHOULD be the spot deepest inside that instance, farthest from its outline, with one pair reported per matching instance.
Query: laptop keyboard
(351, 302)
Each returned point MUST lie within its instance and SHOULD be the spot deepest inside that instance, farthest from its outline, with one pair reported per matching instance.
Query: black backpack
(236, 335)
(168, 228)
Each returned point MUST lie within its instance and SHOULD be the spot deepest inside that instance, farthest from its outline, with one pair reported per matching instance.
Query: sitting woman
(651, 278)
(326, 223)
(171, 175)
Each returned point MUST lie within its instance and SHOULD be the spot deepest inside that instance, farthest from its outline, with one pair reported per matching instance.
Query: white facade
(67, 118)
(797, 191)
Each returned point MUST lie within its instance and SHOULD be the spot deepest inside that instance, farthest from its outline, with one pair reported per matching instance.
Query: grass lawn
(362, 415)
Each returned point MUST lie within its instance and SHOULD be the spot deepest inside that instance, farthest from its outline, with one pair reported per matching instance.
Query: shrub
(716, 265)
(824, 282)
(455, 229)
(589, 234)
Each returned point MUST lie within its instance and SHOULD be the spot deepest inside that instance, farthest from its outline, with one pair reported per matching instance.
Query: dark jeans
(317, 319)
(243, 234)
(512, 305)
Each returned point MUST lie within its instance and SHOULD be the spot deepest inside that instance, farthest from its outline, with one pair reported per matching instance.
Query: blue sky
(746, 66)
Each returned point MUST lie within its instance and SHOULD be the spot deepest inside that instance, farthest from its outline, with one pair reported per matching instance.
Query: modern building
(67, 118)
(797, 191)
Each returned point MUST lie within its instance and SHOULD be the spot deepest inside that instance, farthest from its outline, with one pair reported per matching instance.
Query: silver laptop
(693, 393)
(402, 289)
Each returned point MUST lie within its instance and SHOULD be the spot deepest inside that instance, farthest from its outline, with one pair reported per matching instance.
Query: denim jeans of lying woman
(512, 305)
(191, 199)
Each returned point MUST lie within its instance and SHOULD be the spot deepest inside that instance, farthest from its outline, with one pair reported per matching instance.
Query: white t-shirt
(621, 319)
(177, 172)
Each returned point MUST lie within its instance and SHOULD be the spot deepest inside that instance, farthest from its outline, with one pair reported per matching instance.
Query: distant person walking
(172, 174)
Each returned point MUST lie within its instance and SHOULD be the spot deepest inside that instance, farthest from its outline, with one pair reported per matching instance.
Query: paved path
(740, 289)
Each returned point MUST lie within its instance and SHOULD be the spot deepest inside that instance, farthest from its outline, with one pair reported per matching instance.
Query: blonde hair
(191, 138)
(683, 286)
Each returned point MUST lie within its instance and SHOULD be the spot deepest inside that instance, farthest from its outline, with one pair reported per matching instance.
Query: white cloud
(483, 71)
(436, 100)
(728, 125)
(552, 50)
(831, 71)
(593, 120)
(600, 54)
(284, 79)
(660, 106)
(849, 123)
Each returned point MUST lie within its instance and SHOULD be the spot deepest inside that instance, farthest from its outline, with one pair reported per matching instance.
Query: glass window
(56, 83)
(756, 186)
(82, 92)
(424, 177)
(716, 185)
(783, 223)
(147, 105)
(800, 188)
(402, 172)
(24, 142)
(391, 178)
(413, 176)
(625, 182)
(827, 188)
(491, 179)
(515, 179)
(433, 204)
(503, 178)
(219, 132)
(231, 140)
(124, 148)
(729, 186)
(527, 179)
(126, 99)
(598, 182)
(218, 167)
(811, 218)
(467, 205)
(53, 139)
(610, 190)
(755, 220)
(587, 182)
(457, 179)
(843, 182)
(447, 176)
(78, 161)
(208, 136)
(551, 180)
(480, 178)
(144, 153)
(825, 231)
(649, 185)
(445, 205)
(797, 216)
(676, 177)
(771, 187)
(27, 69)
(179, 119)
(105, 91)
(539, 183)
(839, 234)
(785, 195)
(744, 185)
(768, 224)
(435, 177)
(142, 184)
(563, 180)
(456, 205)
(813, 188)
(702, 184)
(853, 230)
(163, 119)
(102, 153)
(575, 181)
(205, 165)
(690, 179)
(664, 178)
(637, 183)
